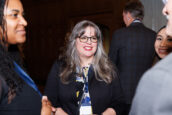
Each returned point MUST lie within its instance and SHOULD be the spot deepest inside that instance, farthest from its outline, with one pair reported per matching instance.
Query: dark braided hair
(7, 72)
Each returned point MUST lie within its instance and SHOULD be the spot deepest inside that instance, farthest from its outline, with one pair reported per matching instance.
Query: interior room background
(50, 21)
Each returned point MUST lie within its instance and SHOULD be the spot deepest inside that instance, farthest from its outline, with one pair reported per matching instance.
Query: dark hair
(135, 8)
(3, 34)
(2, 4)
(161, 29)
(7, 72)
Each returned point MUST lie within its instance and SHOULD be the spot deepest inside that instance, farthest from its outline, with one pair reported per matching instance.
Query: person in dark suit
(132, 49)
(84, 82)
(153, 94)
(18, 93)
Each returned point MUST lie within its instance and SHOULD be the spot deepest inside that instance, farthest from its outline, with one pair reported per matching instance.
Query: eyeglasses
(84, 39)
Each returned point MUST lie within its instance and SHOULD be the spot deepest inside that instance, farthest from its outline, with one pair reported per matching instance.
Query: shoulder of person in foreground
(153, 95)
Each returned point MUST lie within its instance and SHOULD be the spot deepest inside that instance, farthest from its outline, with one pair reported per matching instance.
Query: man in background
(154, 92)
(132, 50)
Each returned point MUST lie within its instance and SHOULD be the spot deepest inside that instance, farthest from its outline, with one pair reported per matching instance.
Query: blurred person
(132, 50)
(153, 94)
(167, 12)
(84, 82)
(18, 93)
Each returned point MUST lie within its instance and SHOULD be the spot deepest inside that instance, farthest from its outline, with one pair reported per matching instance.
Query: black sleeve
(117, 102)
(51, 88)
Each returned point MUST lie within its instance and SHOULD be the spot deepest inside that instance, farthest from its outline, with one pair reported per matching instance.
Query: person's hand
(46, 106)
(60, 111)
(109, 111)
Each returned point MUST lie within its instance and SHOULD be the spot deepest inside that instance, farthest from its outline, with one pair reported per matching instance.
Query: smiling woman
(15, 22)
(18, 93)
(163, 43)
(86, 46)
(84, 82)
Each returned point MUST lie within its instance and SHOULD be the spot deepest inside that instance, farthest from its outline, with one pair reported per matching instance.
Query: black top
(132, 51)
(26, 102)
(102, 95)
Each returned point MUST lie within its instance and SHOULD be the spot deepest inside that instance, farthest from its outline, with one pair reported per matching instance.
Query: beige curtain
(154, 18)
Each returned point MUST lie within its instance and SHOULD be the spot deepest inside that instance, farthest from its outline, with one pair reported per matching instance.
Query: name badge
(85, 110)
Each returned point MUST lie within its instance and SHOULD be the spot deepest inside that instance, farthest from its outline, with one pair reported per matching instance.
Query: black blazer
(132, 51)
(64, 95)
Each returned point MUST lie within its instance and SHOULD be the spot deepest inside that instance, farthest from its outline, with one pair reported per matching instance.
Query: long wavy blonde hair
(103, 68)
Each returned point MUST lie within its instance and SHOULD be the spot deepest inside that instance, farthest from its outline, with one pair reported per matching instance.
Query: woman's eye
(84, 38)
(94, 38)
(170, 39)
(14, 15)
(158, 38)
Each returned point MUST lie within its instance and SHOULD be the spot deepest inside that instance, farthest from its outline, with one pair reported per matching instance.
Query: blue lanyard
(26, 77)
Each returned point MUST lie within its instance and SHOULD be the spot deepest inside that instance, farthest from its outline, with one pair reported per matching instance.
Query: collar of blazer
(136, 23)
